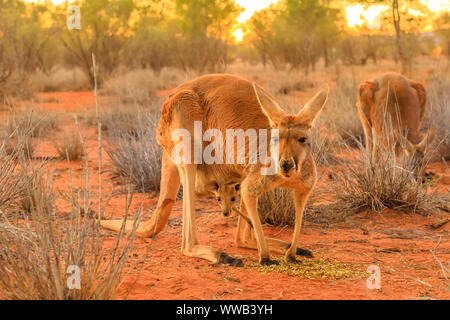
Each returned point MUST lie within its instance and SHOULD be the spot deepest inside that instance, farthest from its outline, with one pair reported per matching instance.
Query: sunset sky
(356, 14)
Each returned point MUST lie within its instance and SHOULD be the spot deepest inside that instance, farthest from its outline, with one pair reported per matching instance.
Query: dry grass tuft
(60, 79)
(12, 183)
(438, 112)
(40, 256)
(137, 86)
(325, 269)
(374, 183)
(136, 155)
(341, 115)
(276, 207)
(30, 122)
(69, 147)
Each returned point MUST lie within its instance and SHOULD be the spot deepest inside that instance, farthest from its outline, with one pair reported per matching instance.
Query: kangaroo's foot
(292, 259)
(304, 253)
(268, 262)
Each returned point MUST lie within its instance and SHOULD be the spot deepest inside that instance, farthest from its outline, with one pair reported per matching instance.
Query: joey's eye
(302, 139)
(218, 199)
(233, 199)
(237, 187)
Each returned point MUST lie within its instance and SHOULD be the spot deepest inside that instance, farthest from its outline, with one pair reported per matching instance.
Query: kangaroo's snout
(226, 213)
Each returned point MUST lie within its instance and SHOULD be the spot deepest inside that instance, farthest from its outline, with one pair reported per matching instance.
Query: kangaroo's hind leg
(170, 184)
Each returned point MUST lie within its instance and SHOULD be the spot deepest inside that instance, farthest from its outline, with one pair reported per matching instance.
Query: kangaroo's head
(226, 195)
(294, 130)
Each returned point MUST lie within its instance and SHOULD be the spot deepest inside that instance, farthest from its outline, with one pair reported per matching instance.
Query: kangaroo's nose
(287, 165)
(226, 213)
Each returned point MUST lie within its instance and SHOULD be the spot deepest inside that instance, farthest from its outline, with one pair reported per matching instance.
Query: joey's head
(294, 131)
(226, 195)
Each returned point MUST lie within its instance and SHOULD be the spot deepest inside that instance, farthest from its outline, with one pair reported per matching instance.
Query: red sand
(409, 271)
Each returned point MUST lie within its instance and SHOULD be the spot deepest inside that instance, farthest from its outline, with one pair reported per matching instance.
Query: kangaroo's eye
(233, 199)
(218, 199)
(302, 139)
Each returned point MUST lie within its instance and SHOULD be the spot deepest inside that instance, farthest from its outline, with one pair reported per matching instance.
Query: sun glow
(437, 5)
(55, 2)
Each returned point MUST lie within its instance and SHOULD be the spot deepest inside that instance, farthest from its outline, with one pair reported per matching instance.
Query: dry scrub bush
(20, 181)
(124, 118)
(21, 126)
(340, 115)
(31, 122)
(276, 207)
(12, 182)
(137, 86)
(136, 155)
(16, 85)
(19, 143)
(36, 255)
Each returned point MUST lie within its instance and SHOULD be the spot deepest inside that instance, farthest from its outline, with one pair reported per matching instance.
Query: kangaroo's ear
(427, 140)
(269, 106)
(421, 92)
(366, 92)
(312, 108)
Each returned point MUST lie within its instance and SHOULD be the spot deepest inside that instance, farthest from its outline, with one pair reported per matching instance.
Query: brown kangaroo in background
(229, 102)
(391, 107)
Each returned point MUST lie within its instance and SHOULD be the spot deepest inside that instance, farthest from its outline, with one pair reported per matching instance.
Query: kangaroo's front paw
(226, 259)
(268, 262)
(304, 253)
(292, 259)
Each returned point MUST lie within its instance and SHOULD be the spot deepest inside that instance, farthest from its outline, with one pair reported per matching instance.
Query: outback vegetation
(79, 113)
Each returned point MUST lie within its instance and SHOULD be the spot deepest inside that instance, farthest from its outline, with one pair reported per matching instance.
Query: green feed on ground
(325, 269)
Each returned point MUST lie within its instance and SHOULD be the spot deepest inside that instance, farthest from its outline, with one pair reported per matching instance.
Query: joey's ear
(212, 186)
(312, 108)
(410, 148)
(366, 92)
(421, 92)
(269, 106)
(427, 140)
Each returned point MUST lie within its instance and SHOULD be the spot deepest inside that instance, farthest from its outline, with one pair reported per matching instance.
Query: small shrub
(137, 86)
(37, 189)
(276, 207)
(60, 79)
(12, 184)
(376, 183)
(69, 147)
(30, 122)
(341, 115)
(39, 255)
(438, 112)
